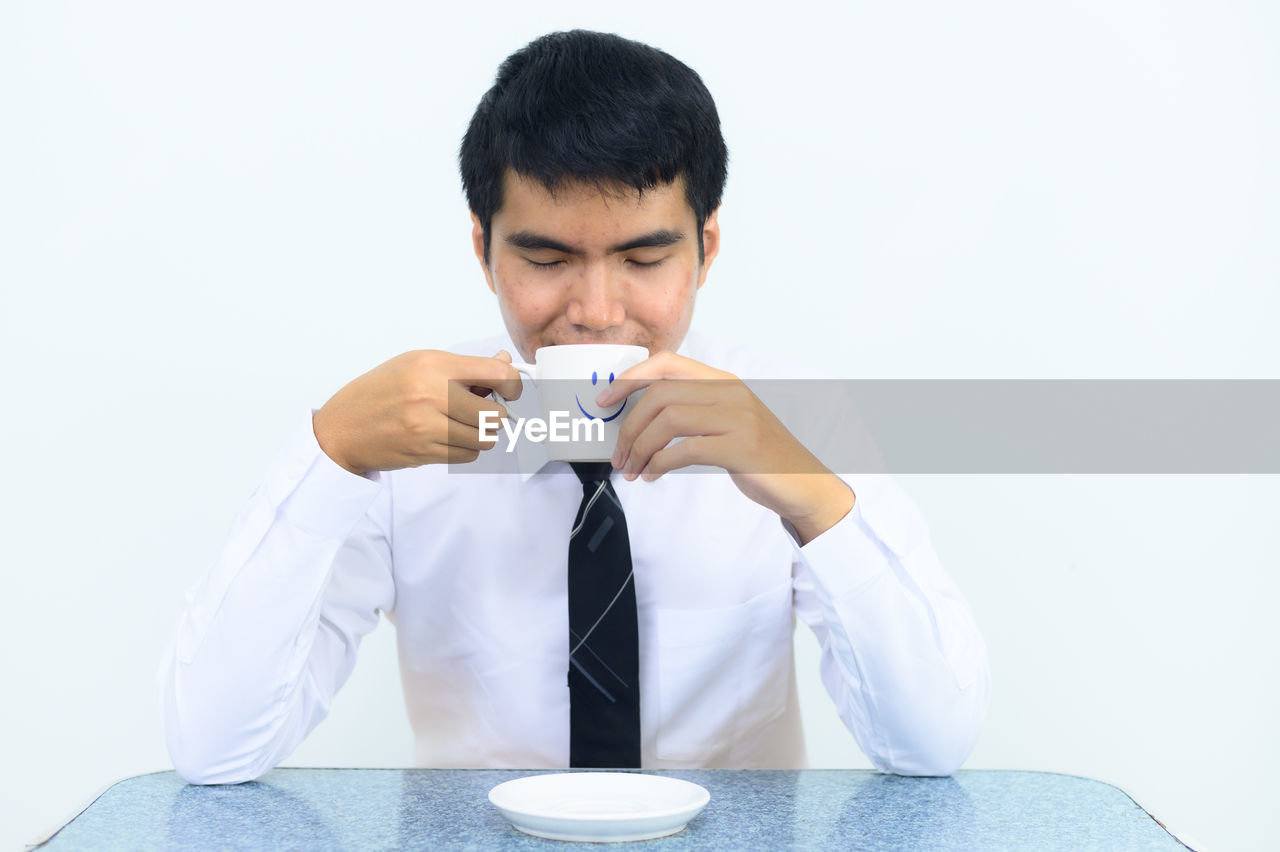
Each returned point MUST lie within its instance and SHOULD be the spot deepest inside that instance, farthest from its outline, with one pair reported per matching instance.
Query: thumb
(503, 355)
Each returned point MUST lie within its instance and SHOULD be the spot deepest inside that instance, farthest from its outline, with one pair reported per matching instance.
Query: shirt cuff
(846, 557)
(315, 492)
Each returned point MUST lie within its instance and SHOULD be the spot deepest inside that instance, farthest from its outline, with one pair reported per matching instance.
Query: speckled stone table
(318, 809)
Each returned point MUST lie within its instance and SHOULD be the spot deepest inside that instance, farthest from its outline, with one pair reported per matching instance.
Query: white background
(213, 216)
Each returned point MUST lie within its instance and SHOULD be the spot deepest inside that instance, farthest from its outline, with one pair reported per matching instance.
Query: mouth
(613, 341)
(596, 416)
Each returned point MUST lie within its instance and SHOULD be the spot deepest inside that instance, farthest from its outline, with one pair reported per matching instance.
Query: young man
(593, 168)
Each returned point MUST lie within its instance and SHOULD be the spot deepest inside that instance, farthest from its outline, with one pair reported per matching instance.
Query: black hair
(594, 107)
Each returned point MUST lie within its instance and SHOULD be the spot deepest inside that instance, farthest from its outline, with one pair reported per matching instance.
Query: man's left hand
(722, 423)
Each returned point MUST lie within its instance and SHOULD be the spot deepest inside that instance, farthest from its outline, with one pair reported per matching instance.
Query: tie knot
(590, 473)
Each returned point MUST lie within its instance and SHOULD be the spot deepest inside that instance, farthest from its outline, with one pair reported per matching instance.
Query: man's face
(584, 266)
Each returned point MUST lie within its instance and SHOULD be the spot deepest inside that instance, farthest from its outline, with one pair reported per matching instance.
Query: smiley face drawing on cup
(594, 380)
(568, 379)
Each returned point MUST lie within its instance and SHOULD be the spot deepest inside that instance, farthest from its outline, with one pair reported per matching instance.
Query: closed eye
(648, 265)
(550, 265)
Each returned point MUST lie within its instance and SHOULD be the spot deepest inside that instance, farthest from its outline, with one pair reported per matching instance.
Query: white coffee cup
(568, 379)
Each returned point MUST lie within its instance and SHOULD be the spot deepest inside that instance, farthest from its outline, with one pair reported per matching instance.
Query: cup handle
(528, 369)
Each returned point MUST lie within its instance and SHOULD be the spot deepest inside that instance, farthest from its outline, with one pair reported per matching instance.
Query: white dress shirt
(472, 570)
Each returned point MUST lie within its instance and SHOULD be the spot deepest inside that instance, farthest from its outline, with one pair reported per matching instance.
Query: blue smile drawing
(597, 416)
(594, 378)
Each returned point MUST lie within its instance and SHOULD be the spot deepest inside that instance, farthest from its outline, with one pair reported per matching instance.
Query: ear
(477, 243)
(710, 244)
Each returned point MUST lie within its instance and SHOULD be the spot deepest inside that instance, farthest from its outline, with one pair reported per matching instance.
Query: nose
(596, 300)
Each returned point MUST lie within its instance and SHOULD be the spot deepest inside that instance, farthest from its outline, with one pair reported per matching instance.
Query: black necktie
(604, 652)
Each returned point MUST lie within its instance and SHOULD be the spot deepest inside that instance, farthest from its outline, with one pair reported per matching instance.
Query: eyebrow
(532, 241)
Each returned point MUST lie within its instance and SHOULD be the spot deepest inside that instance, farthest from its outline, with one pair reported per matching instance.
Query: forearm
(232, 697)
(902, 657)
(253, 665)
(891, 677)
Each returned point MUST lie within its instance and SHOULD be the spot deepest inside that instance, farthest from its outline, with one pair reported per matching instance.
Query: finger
(465, 407)
(469, 436)
(502, 355)
(663, 365)
(659, 396)
(459, 455)
(690, 451)
(675, 421)
(491, 374)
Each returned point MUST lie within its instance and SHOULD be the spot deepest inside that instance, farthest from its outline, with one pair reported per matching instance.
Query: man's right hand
(418, 408)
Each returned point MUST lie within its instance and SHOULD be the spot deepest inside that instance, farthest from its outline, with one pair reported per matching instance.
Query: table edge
(43, 840)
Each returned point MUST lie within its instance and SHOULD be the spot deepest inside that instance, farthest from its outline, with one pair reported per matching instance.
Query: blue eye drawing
(611, 378)
(593, 378)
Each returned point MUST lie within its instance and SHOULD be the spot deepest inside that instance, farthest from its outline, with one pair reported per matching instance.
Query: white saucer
(599, 806)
